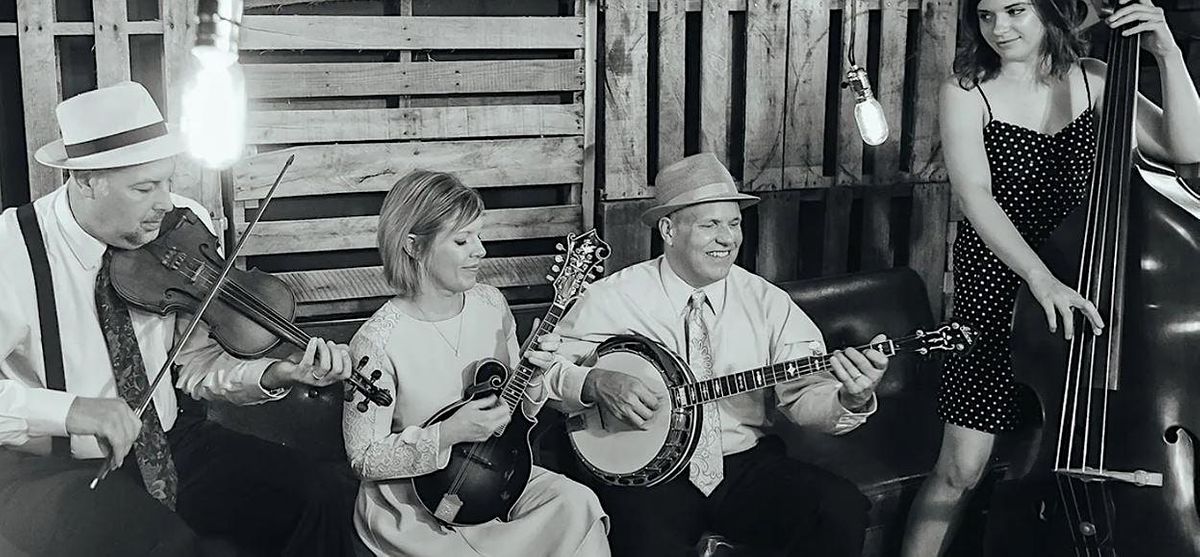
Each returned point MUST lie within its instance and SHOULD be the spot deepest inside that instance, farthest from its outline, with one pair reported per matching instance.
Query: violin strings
(1062, 495)
(250, 302)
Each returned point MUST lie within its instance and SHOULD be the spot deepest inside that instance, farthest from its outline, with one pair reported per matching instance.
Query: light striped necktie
(707, 466)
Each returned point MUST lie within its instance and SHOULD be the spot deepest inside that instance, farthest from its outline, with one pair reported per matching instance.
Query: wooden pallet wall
(61, 55)
(361, 100)
(757, 82)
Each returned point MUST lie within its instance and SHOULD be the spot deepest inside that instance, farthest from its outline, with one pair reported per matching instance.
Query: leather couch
(887, 457)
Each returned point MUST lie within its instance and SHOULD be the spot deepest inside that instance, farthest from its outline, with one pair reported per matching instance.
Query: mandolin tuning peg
(558, 259)
(560, 247)
(555, 268)
(599, 268)
(550, 278)
(375, 375)
(362, 406)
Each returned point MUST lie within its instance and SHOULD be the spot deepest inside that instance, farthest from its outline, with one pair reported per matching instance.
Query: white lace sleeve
(375, 451)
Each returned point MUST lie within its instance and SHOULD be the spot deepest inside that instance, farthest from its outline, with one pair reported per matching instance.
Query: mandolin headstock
(580, 265)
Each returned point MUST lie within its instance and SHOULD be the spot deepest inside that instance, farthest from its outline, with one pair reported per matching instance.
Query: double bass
(1108, 467)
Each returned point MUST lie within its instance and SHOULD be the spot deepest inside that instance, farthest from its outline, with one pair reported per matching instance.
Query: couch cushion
(850, 309)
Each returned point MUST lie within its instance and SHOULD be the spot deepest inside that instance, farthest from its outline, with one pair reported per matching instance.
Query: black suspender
(47, 311)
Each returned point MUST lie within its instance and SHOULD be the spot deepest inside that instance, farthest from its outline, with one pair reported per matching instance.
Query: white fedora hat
(110, 127)
(700, 178)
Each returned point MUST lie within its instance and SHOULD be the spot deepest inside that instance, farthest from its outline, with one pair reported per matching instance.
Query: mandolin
(484, 479)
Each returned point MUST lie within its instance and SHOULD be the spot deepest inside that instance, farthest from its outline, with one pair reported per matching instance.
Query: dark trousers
(766, 501)
(264, 498)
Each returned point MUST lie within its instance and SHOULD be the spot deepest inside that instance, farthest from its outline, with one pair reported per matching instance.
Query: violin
(252, 314)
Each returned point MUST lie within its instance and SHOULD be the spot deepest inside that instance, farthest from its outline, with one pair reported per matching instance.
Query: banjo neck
(734, 384)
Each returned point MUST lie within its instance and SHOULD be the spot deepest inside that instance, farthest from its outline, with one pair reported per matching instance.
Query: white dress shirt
(752, 323)
(31, 414)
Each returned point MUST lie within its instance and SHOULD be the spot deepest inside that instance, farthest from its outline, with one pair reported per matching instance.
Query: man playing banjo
(720, 319)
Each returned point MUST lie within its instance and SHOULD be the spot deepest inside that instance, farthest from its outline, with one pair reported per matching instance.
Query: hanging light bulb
(213, 118)
(868, 113)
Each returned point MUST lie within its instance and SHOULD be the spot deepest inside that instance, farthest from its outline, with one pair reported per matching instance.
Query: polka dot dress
(1037, 179)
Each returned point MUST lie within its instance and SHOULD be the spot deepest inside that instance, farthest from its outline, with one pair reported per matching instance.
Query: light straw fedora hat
(110, 127)
(700, 178)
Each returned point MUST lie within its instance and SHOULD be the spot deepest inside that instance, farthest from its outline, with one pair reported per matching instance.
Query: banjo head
(621, 454)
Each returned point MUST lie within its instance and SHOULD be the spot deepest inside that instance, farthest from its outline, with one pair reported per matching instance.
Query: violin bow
(195, 321)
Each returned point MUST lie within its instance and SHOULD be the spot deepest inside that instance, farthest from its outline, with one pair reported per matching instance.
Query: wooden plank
(368, 282)
(457, 122)
(588, 99)
(621, 226)
(935, 52)
(404, 9)
(716, 54)
(766, 73)
(889, 87)
(111, 19)
(876, 251)
(625, 60)
(741, 5)
(415, 78)
(342, 233)
(652, 5)
(835, 248)
(86, 28)
(807, 70)
(304, 32)
(849, 142)
(778, 257)
(322, 169)
(339, 308)
(671, 51)
(927, 238)
(177, 28)
(334, 103)
(39, 88)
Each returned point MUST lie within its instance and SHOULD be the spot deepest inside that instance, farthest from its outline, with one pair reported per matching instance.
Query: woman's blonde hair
(423, 204)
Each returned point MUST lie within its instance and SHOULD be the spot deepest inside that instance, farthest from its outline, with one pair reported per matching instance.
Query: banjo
(623, 455)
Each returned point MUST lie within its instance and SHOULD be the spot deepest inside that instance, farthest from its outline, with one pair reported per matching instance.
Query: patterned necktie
(707, 466)
(151, 449)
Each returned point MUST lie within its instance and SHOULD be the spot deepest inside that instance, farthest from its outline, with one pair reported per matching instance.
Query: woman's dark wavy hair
(976, 62)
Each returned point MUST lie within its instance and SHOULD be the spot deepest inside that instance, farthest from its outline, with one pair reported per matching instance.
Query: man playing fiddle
(722, 319)
(61, 416)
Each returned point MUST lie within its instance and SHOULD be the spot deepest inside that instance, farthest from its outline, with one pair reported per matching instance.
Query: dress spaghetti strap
(986, 103)
(1086, 86)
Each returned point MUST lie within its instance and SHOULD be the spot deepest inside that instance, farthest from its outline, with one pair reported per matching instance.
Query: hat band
(716, 189)
(116, 141)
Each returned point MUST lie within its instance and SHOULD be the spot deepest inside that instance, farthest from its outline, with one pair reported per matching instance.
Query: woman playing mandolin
(427, 341)
(1018, 123)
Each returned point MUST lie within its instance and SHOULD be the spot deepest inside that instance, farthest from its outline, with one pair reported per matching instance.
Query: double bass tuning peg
(361, 406)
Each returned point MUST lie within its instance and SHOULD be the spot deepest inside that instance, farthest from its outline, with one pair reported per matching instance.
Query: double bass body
(1142, 415)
